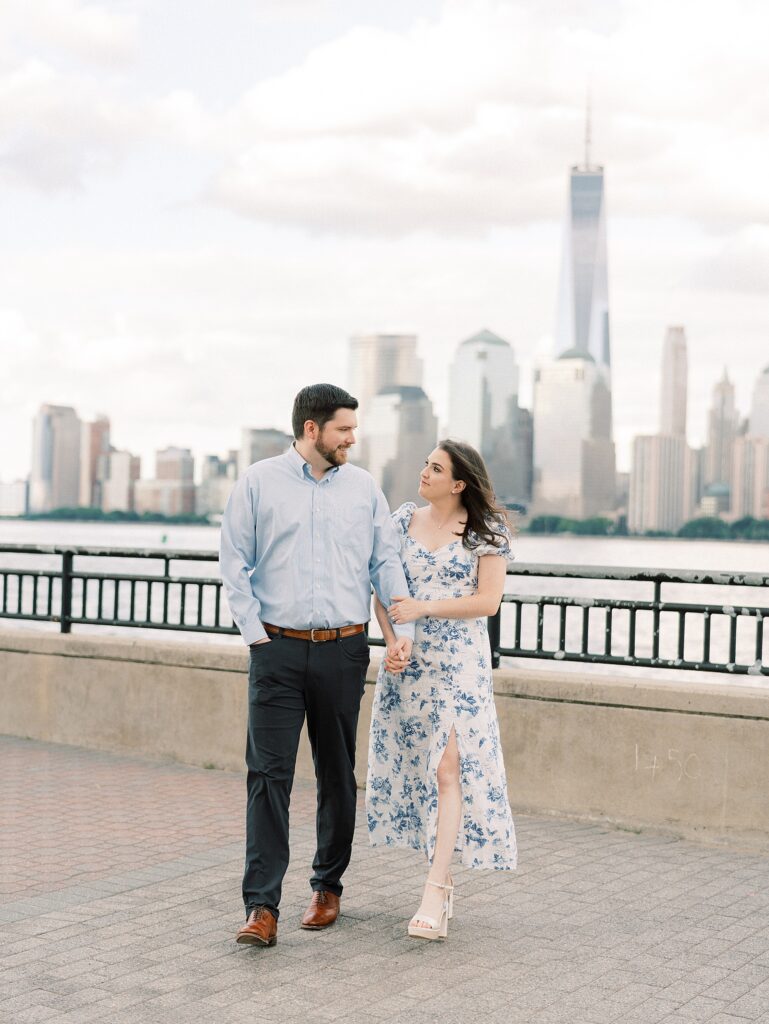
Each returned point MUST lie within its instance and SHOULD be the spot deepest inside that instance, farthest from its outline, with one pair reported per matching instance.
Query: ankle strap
(438, 885)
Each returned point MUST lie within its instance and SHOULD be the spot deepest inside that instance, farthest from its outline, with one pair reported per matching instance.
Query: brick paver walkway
(119, 899)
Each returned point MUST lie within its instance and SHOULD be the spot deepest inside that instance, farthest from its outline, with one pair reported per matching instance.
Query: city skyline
(741, 416)
(562, 447)
(152, 266)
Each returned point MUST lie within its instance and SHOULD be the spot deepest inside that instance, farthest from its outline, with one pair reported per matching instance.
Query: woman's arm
(396, 657)
(384, 623)
(485, 601)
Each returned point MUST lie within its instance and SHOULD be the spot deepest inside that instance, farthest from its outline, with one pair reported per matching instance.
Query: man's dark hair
(319, 402)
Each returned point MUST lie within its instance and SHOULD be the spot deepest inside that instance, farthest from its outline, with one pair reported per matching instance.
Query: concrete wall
(689, 758)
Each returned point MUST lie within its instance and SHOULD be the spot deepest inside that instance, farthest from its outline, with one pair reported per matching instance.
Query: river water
(662, 553)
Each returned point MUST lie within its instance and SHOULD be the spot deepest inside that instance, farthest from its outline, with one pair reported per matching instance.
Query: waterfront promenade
(119, 899)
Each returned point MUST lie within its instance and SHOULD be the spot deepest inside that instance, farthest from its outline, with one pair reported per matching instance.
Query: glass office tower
(574, 458)
(583, 306)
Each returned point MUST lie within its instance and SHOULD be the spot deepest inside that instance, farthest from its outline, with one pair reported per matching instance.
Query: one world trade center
(583, 306)
(574, 458)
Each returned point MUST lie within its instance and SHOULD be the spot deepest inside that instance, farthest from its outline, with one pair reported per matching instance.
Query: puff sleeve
(504, 548)
(402, 517)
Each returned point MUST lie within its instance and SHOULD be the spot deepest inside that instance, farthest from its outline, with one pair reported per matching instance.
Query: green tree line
(707, 527)
(96, 515)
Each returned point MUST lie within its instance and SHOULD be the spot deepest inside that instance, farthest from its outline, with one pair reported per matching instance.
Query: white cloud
(59, 129)
(56, 128)
(68, 111)
(741, 264)
(455, 125)
(179, 117)
(90, 32)
(463, 123)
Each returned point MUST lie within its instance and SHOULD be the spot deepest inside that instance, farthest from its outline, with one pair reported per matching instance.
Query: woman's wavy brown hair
(485, 517)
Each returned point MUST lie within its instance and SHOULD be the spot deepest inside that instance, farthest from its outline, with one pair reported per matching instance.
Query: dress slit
(432, 837)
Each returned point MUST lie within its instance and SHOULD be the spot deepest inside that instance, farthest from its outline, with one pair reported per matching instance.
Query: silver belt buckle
(313, 631)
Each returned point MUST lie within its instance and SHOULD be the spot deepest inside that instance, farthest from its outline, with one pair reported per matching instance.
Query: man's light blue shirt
(303, 553)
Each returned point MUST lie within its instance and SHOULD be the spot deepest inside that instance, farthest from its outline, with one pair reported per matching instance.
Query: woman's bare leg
(449, 820)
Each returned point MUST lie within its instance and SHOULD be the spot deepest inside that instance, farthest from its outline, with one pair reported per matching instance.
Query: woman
(436, 779)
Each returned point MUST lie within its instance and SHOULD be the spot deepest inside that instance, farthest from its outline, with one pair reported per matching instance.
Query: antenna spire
(588, 113)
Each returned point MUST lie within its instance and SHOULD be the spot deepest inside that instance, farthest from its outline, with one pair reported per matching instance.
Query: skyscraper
(174, 464)
(660, 496)
(172, 492)
(664, 478)
(697, 458)
(674, 383)
(13, 498)
(509, 456)
(483, 383)
(217, 478)
(119, 487)
(583, 306)
(722, 429)
(403, 432)
(750, 478)
(379, 361)
(574, 458)
(574, 461)
(258, 444)
(94, 461)
(759, 409)
(55, 476)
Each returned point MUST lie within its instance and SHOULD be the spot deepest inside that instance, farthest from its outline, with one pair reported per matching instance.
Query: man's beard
(335, 456)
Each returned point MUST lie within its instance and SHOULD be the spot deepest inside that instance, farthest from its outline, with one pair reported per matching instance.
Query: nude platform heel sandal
(436, 929)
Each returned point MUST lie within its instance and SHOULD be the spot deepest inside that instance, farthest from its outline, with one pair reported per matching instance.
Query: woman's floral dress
(447, 684)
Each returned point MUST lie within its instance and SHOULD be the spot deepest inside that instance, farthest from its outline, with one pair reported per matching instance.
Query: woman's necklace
(443, 525)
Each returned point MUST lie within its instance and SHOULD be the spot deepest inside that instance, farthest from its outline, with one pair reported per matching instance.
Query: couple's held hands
(406, 609)
(398, 654)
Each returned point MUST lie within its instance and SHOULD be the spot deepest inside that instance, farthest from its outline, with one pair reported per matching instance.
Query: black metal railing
(706, 624)
(589, 614)
(81, 595)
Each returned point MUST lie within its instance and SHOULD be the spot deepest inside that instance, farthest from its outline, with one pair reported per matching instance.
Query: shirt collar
(303, 468)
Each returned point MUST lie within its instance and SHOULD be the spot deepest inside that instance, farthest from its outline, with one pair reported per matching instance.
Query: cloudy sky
(202, 202)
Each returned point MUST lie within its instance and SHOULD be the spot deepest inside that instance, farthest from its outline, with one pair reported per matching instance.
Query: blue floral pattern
(447, 684)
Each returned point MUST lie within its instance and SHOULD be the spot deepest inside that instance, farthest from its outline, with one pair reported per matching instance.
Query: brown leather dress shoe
(322, 911)
(261, 929)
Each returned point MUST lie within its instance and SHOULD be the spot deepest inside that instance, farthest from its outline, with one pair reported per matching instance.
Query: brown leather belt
(317, 636)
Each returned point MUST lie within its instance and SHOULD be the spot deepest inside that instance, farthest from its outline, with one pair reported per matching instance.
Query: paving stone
(750, 1006)
(125, 910)
(701, 1008)
(726, 1018)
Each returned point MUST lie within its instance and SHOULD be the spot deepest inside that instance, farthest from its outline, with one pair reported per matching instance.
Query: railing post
(66, 592)
(656, 621)
(495, 628)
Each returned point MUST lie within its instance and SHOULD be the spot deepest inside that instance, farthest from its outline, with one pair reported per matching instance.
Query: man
(304, 536)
